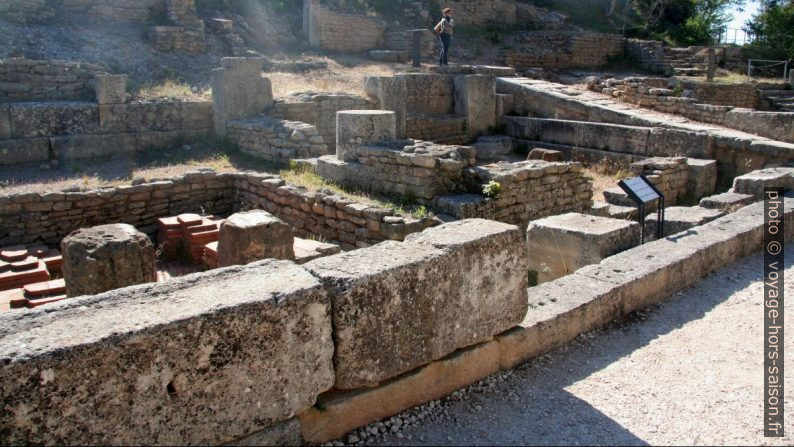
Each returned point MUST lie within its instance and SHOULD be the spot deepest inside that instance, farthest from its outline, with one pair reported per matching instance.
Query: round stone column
(356, 128)
(106, 257)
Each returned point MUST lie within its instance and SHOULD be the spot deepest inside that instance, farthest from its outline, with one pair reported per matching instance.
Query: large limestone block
(680, 218)
(475, 98)
(355, 128)
(754, 182)
(239, 90)
(397, 306)
(110, 89)
(106, 257)
(560, 245)
(341, 413)
(252, 236)
(702, 177)
(204, 359)
(392, 95)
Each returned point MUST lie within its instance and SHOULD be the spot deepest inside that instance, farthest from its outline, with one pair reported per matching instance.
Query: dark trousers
(446, 40)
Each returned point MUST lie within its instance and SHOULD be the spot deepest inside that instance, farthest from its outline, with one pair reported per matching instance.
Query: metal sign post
(642, 192)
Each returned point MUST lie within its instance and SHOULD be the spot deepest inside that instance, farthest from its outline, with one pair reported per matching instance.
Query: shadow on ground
(532, 407)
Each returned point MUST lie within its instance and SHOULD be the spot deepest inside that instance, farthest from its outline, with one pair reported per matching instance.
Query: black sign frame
(641, 201)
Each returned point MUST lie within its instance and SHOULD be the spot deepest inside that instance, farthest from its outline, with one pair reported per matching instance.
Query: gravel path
(688, 371)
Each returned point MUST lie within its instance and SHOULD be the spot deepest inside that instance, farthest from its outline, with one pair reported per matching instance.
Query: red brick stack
(187, 234)
(44, 292)
(211, 260)
(169, 236)
(18, 268)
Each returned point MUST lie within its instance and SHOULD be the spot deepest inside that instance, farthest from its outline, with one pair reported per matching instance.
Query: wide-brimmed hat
(448, 10)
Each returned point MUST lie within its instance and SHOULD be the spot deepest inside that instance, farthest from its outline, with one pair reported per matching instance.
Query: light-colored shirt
(446, 27)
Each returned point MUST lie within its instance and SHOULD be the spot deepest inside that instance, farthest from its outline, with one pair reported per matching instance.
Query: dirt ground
(688, 371)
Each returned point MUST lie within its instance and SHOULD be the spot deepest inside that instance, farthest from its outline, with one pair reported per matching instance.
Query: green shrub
(492, 189)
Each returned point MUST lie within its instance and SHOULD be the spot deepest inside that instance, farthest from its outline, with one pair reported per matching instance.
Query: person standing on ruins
(444, 30)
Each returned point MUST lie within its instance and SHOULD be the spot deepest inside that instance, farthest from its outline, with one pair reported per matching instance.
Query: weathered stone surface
(475, 98)
(287, 433)
(681, 218)
(111, 89)
(560, 245)
(755, 182)
(355, 128)
(26, 150)
(492, 146)
(702, 177)
(106, 257)
(397, 306)
(545, 155)
(203, 359)
(239, 90)
(391, 94)
(344, 411)
(252, 236)
(43, 119)
(562, 309)
(727, 201)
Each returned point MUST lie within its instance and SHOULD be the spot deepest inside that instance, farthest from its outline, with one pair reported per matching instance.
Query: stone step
(616, 196)
(390, 56)
(45, 288)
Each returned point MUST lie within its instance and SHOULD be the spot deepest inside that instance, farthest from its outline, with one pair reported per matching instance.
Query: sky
(739, 18)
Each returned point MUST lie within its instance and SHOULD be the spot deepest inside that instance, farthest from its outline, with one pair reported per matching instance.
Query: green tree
(686, 22)
(773, 29)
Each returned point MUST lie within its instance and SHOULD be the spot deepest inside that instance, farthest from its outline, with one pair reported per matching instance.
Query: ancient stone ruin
(219, 306)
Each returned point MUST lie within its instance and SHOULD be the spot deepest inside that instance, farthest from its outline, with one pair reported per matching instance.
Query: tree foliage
(773, 30)
(686, 22)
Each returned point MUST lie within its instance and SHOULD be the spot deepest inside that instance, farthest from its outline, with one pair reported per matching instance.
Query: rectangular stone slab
(203, 359)
(397, 306)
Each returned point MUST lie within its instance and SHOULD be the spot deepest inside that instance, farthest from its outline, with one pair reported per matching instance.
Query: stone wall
(735, 153)
(48, 217)
(274, 139)
(26, 11)
(187, 32)
(323, 214)
(423, 170)
(133, 10)
(430, 94)
(701, 101)
(404, 41)
(650, 55)
(530, 190)
(26, 80)
(563, 50)
(271, 369)
(441, 129)
(331, 30)
(40, 131)
(669, 175)
(319, 109)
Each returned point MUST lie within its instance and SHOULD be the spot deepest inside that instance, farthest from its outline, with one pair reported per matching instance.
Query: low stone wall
(423, 170)
(319, 109)
(272, 368)
(724, 104)
(669, 175)
(530, 190)
(27, 80)
(49, 217)
(323, 214)
(650, 55)
(39, 131)
(130, 10)
(186, 32)
(446, 129)
(735, 153)
(563, 50)
(331, 30)
(274, 139)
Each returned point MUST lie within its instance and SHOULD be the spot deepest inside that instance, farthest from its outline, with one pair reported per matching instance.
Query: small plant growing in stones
(492, 189)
